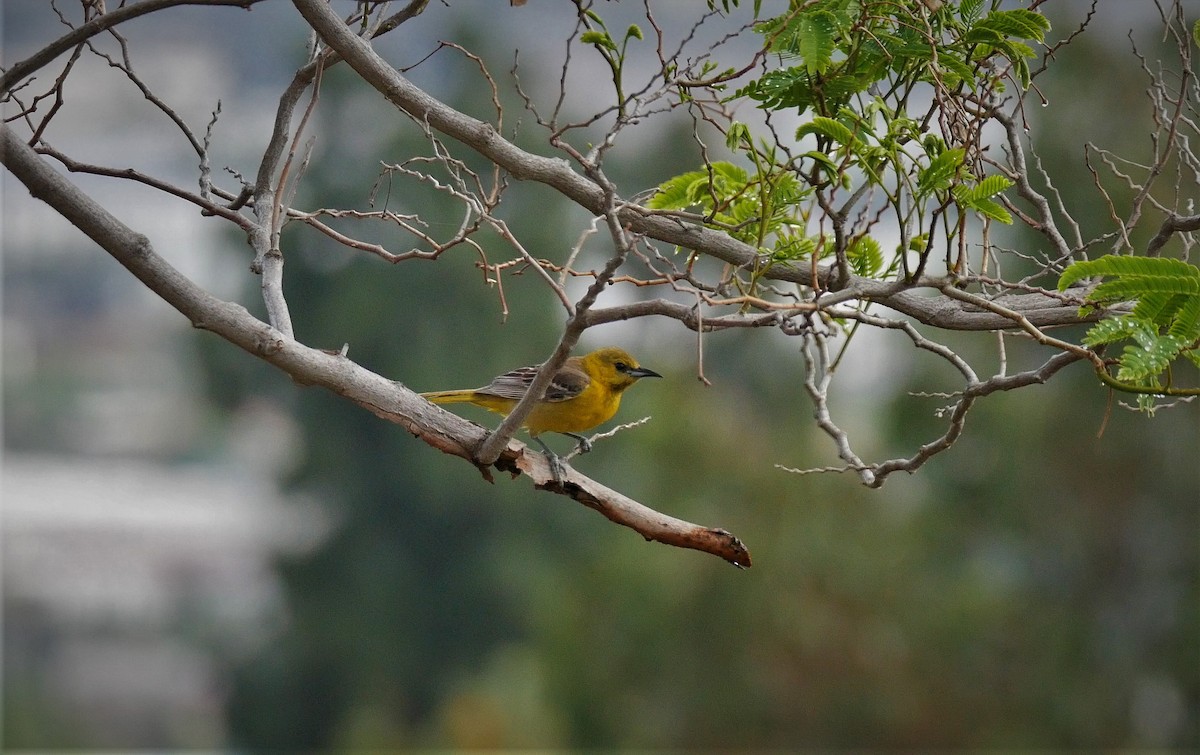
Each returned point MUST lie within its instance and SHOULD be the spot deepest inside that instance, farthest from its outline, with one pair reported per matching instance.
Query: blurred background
(199, 553)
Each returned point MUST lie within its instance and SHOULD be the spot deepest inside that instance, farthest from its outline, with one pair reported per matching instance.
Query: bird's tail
(450, 397)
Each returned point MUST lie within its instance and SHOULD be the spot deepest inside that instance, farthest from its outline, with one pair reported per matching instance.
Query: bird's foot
(582, 444)
(557, 468)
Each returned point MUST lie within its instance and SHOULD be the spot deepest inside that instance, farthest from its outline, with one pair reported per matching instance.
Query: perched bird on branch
(585, 392)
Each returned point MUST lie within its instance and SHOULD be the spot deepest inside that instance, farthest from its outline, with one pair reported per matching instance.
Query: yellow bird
(585, 392)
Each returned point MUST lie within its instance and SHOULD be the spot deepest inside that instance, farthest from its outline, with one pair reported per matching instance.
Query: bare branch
(1043, 215)
(607, 434)
(818, 375)
(20, 70)
(130, 174)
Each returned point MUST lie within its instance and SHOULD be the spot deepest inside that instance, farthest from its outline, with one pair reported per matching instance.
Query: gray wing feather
(568, 383)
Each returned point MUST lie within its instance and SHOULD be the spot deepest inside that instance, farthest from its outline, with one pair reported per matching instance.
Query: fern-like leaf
(697, 187)
(1020, 22)
(1112, 330)
(989, 187)
(835, 130)
(815, 40)
(940, 172)
(1186, 323)
(969, 10)
(1136, 287)
(793, 247)
(823, 160)
(968, 197)
(674, 193)
(955, 71)
(1156, 308)
(865, 257)
(1128, 266)
(731, 174)
(1149, 358)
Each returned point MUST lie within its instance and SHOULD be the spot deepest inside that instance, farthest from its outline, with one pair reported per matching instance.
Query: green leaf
(790, 87)
(1156, 308)
(968, 11)
(825, 162)
(793, 247)
(1134, 287)
(743, 211)
(815, 40)
(940, 172)
(737, 132)
(1021, 71)
(634, 31)
(933, 144)
(905, 46)
(1186, 323)
(1017, 52)
(698, 187)
(865, 256)
(1149, 358)
(836, 131)
(1125, 265)
(1163, 324)
(674, 193)
(730, 173)
(959, 70)
(1020, 22)
(1112, 329)
(989, 187)
(992, 209)
(598, 38)
(977, 198)
(977, 35)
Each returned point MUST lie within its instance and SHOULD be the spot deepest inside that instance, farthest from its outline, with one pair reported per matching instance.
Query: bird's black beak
(641, 372)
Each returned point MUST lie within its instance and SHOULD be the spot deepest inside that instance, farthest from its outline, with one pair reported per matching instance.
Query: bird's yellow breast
(590, 408)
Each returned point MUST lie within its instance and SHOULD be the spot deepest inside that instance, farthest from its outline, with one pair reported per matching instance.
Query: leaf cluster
(847, 47)
(1162, 327)
(850, 67)
(599, 37)
(756, 208)
(852, 139)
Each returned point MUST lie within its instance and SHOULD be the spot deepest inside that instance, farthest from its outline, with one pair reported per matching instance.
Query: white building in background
(126, 582)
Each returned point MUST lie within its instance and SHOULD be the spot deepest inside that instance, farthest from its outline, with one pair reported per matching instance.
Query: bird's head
(616, 367)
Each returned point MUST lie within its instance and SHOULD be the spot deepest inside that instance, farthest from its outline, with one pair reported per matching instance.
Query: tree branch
(84, 32)
(1170, 226)
(333, 371)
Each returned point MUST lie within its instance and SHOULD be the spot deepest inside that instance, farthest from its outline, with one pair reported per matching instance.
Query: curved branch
(333, 371)
(209, 208)
(1170, 226)
(647, 522)
(98, 25)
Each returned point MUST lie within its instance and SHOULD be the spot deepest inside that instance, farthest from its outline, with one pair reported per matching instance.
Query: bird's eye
(622, 367)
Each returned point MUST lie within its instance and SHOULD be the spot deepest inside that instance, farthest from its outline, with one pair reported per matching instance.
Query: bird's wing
(567, 383)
